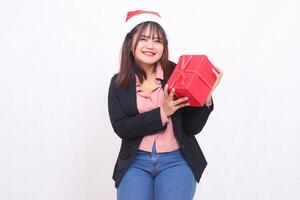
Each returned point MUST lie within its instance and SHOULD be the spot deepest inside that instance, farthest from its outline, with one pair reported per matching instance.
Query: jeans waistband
(142, 152)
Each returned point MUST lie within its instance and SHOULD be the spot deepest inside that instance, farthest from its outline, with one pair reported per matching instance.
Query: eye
(143, 39)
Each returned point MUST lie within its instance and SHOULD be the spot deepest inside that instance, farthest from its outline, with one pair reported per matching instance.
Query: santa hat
(139, 16)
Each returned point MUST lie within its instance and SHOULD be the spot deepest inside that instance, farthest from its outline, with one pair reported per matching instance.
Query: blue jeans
(157, 176)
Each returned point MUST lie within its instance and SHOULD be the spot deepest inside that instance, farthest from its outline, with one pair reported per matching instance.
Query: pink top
(165, 140)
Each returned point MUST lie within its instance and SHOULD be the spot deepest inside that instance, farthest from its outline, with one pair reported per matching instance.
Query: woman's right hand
(170, 105)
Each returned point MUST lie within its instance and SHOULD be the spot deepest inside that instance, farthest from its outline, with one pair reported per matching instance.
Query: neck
(149, 70)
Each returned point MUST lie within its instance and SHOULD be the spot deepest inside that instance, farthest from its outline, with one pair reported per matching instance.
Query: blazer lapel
(128, 99)
(163, 83)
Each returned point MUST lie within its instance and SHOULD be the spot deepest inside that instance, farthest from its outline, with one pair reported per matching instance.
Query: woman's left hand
(219, 75)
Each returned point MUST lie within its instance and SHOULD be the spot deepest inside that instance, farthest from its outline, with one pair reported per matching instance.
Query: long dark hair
(128, 67)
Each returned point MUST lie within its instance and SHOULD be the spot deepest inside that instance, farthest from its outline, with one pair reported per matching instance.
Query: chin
(149, 62)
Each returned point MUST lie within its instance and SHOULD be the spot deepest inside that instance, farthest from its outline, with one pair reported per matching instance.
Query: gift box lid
(197, 64)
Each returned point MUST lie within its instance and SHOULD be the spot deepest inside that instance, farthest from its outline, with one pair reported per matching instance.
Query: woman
(159, 157)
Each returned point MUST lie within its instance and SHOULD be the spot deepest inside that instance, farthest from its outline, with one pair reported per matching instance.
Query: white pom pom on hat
(139, 16)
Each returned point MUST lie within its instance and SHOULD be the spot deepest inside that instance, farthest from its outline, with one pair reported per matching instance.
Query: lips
(148, 53)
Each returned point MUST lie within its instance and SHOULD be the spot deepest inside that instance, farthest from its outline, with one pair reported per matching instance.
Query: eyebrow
(147, 36)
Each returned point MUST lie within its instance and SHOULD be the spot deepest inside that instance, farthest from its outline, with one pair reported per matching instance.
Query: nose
(150, 44)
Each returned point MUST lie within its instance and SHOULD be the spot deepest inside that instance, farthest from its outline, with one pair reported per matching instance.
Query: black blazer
(131, 126)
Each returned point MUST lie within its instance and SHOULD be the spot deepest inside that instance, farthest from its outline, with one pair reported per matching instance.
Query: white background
(56, 60)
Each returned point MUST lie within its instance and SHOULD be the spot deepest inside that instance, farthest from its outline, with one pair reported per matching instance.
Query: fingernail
(186, 98)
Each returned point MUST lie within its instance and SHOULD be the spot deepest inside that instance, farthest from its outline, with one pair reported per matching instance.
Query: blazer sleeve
(131, 127)
(194, 118)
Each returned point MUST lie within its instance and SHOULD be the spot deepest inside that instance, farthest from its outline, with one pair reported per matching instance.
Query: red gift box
(193, 78)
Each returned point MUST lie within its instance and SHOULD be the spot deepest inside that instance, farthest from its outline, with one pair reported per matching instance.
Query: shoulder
(114, 77)
(113, 81)
(172, 64)
(169, 70)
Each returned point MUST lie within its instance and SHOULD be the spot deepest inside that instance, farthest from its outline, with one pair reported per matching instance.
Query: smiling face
(147, 47)
(143, 47)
